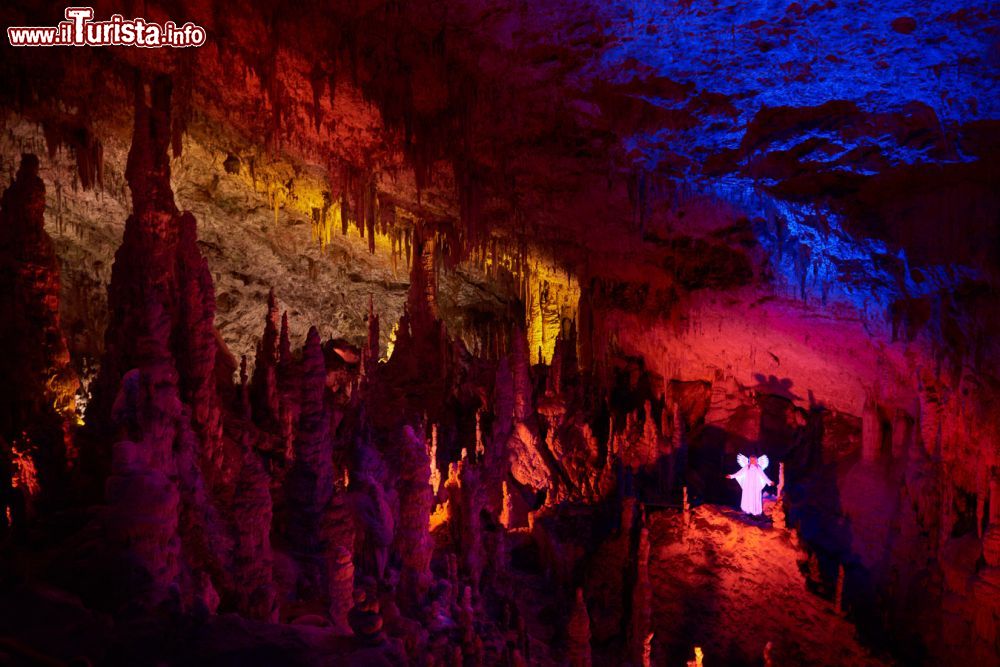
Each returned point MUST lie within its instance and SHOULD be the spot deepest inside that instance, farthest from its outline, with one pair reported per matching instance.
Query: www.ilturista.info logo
(79, 29)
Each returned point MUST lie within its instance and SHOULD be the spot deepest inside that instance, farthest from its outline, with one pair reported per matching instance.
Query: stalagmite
(677, 434)
(521, 372)
(639, 625)
(480, 447)
(252, 556)
(991, 537)
(157, 381)
(365, 618)
(264, 383)
(284, 348)
(507, 507)
(142, 496)
(902, 433)
(341, 587)
(37, 384)
(466, 617)
(413, 541)
(309, 486)
(435, 472)
(245, 409)
(472, 554)
(838, 600)
(578, 652)
(515, 405)
(686, 508)
(374, 524)
(778, 511)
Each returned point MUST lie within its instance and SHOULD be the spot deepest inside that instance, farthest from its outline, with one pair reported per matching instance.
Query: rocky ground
(732, 584)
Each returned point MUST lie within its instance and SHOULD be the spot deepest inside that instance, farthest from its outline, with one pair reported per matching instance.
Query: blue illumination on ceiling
(882, 55)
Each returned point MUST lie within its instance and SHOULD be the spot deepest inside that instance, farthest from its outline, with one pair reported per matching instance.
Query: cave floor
(731, 584)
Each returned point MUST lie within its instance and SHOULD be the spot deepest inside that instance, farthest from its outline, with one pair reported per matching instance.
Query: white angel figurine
(753, 480)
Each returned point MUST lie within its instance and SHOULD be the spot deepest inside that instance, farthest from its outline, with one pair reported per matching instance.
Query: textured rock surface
(416, 499)
(725, 568)
(38, 399)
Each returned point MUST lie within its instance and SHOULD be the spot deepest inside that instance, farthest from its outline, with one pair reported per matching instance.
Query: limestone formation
(413, 540)
(341, 588)
(38, 386)
(578, 652)
(639, 626)
(310, 481)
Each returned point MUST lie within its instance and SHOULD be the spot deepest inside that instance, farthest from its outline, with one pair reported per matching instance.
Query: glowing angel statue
(753, 480)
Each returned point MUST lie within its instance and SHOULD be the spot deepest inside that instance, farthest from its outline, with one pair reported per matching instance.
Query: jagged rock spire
(37, 384)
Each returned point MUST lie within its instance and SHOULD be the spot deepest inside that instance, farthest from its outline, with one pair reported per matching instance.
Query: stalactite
(370, 208)
(181, 111)
(77, 134)
(344, 209)
(317, 81)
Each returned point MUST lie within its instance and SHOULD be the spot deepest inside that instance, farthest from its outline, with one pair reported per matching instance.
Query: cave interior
(429, 332)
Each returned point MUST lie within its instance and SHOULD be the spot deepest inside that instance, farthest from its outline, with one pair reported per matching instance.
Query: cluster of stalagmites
(321, 489)
(307, 490)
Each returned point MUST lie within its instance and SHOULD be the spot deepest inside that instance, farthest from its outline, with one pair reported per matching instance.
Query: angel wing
(742, 460)
(762, 461)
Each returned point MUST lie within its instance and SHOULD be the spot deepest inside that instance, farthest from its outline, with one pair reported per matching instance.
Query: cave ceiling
(662, 149)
